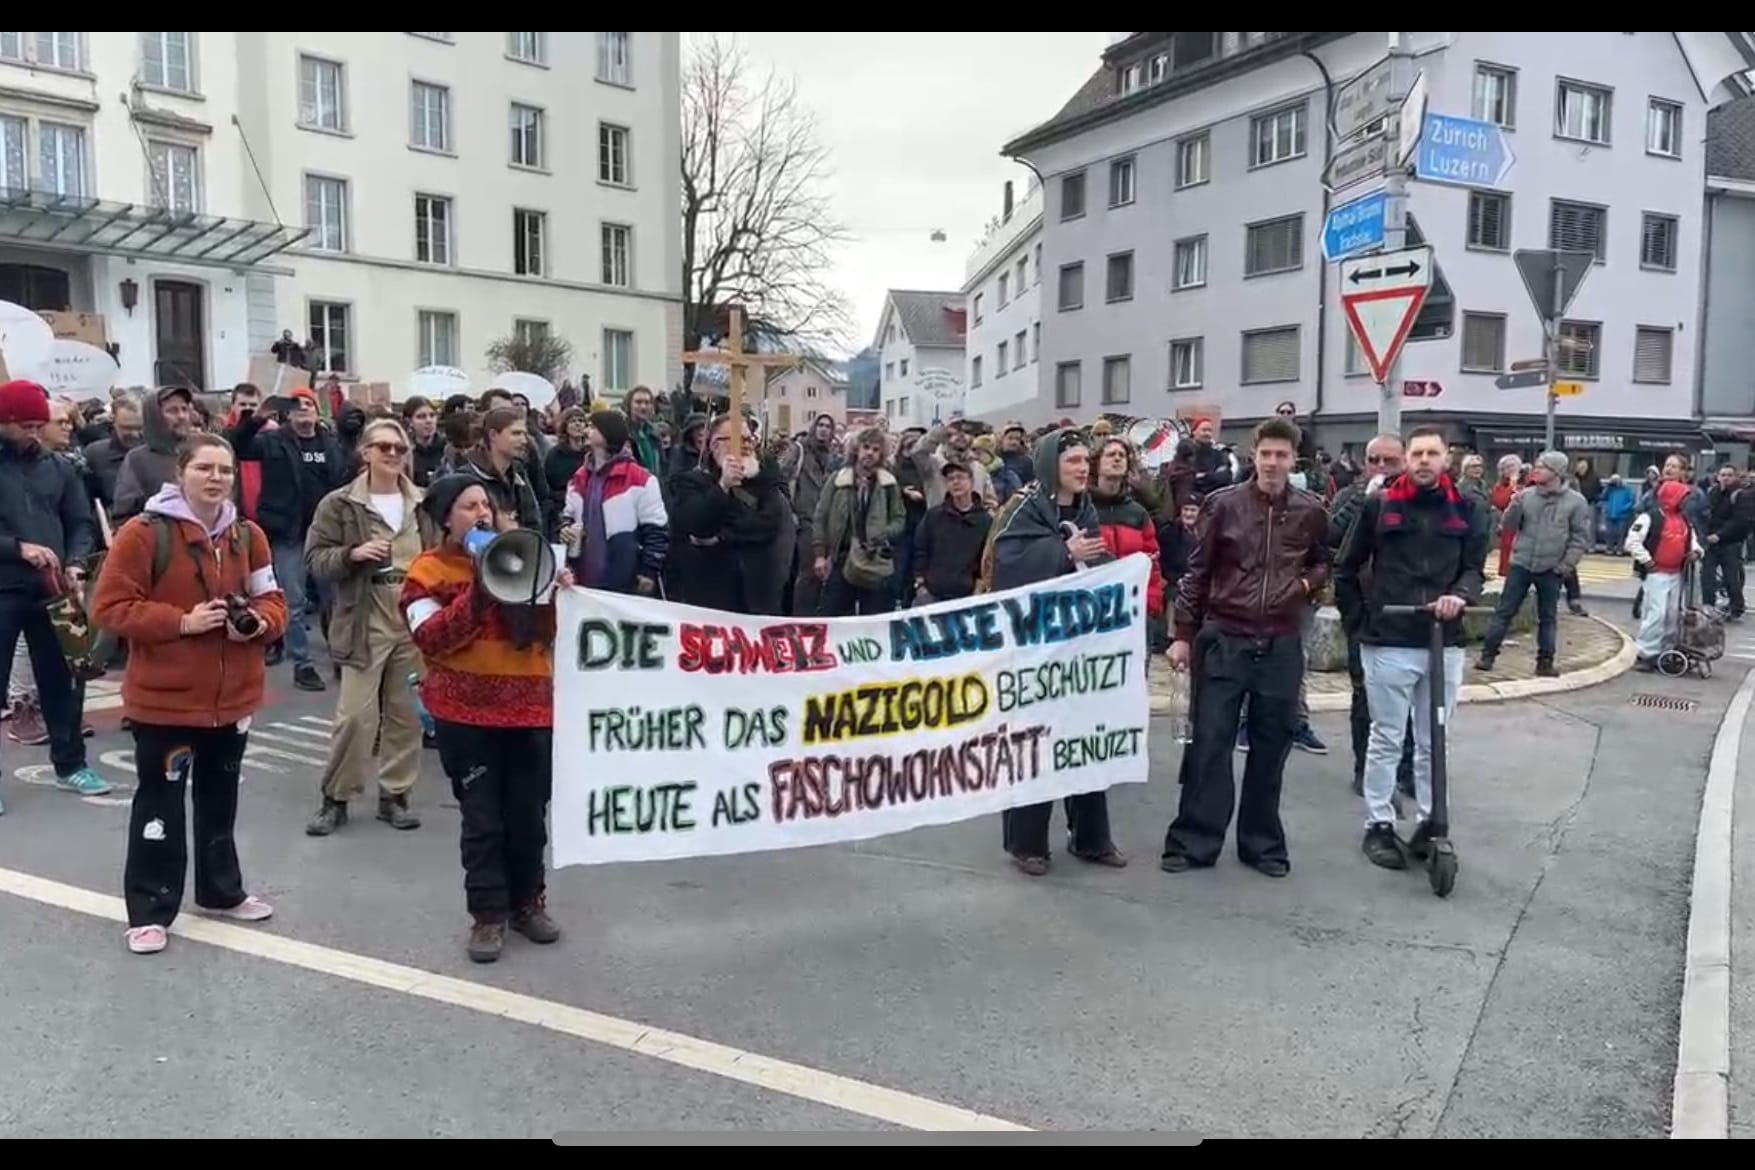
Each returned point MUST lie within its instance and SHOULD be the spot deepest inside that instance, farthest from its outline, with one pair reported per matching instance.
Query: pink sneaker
(251, 909)
(146, 940)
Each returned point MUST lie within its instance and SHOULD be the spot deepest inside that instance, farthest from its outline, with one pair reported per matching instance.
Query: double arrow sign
(1359, 276)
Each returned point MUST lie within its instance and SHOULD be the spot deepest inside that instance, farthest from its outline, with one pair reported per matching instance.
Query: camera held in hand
(239, 617)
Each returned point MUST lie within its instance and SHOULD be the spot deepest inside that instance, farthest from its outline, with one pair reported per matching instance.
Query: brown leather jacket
(1256, 563)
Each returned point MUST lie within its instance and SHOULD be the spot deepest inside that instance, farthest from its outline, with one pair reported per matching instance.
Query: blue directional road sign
(1354, 227)
(1462, 152)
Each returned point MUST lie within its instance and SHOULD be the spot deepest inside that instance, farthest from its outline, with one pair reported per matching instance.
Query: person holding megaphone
(489, 687)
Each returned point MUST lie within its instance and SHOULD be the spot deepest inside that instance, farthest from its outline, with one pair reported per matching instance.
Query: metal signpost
(1552, 278)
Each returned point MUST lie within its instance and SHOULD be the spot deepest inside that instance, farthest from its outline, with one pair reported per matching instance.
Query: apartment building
(397, 199)
(793, 399)
(1728, 333)
(920, 340)
(1185, 201)
(1002, 296)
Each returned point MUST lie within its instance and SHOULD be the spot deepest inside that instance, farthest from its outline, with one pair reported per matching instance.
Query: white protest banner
(684, 732)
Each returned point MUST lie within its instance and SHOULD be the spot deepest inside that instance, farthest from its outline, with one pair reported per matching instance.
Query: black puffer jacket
(948, 546)
(42, 501)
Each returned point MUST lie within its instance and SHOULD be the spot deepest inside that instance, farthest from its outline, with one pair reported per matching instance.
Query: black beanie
(613, 427)
(442, 495)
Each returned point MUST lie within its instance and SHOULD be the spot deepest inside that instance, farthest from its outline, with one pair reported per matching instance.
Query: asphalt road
(1343, 1001)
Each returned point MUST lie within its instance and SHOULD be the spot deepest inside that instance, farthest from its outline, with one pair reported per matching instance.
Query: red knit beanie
(23, 402)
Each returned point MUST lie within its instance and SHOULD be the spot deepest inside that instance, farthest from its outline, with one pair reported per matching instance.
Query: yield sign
(1381, 295)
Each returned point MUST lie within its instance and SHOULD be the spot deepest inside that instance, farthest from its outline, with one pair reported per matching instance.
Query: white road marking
(317, 719)
(312, 732)
(1700, 1100)
(43, 776)
(779, 1076)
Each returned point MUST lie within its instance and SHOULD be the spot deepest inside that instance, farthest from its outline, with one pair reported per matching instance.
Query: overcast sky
(916, 121)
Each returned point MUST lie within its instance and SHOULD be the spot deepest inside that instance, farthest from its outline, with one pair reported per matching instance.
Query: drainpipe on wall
(1328, 154)
(1705, 303)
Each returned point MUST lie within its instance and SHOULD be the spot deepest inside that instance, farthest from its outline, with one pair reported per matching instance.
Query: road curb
(1517, 688)
(1700, 1101)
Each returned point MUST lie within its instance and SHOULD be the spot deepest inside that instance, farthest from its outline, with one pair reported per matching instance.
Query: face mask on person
(1299, 480)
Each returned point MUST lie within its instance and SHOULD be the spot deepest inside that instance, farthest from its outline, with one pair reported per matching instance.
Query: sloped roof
(1730, 140)
(930, 318)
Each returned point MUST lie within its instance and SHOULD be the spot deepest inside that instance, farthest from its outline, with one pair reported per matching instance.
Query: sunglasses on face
(390, 448)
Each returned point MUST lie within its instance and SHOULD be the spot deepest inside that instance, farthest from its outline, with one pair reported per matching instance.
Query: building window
(618, 359)
(438, 339)
(1072, 287)
(1578, 349)
(1193, 161)
(176, 183)
(14, 176)
(55, 50)
(326, 213)
(1072, 196)
(1117, 379)
(614, 62)
(904, 367)
(1186, 360)
(1277, 137)
(430, 116)
(528, 242)
(1663, 129)
(1274, 246)
(531, 47)
(1582, 112)
(889, 371)
(1018, 351)
(1020, 282)
(1483, 343)
(975, 371)
(11, 46)
(1038, 262)
(978, 297)
(1657, 241)
(1353, 362)
(612, 154)
(1270, 355)
(321, 102)
(1495, 95)
(530, 332)
(432, 229)
(1035, 341)
(167, 60)
(1652, 350)
(618, 247)
(1490, 220)
(329, 331)
(61, 157)
(1000, 364)
(1067, 376)
(1578, 227)
(1003, 288)
(1118, 285)
(527, 136)
(1190, 268)
(1121, 182)
(1130, 78)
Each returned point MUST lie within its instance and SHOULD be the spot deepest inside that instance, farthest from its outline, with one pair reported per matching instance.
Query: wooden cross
(739, 361)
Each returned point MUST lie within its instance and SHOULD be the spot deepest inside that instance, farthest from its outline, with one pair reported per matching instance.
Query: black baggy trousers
(502, 778)
(167, 761)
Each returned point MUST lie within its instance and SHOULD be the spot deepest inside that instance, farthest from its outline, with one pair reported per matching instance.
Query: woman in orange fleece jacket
(489, 687)
(190, 584)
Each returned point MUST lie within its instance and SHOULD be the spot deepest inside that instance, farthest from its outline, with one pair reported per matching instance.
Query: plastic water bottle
(1181, 726)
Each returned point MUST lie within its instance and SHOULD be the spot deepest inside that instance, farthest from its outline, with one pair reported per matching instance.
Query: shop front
(1611, 450)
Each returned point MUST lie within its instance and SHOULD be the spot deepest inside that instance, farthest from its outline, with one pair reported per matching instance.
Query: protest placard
(684, 732)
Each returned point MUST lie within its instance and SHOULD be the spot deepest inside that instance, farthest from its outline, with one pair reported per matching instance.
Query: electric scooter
(1441, 858)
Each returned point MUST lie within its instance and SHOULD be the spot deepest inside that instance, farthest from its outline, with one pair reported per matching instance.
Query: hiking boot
(1383, 848)
(1034, 866)
(1545, 668)
(1576, 608)
(534, 923)
(306, 678)
(1305, 739)
(329, 818)
(393, 811)
(26, 725)
(1420, 843)
(1486, 661)
(486, 941)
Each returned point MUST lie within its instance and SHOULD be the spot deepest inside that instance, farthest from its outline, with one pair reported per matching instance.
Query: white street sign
(1381, 295)
(1410, 121)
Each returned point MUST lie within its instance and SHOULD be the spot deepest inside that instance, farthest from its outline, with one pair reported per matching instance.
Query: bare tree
(757, 226)
(534, 353)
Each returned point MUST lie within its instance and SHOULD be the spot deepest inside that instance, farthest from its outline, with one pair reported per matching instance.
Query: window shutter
(1271, 356)
(1651, 355)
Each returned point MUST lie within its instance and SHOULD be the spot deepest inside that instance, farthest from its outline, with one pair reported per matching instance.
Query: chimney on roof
(1007, 217)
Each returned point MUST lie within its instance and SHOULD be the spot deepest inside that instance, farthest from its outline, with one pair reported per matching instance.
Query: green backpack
(163, 544)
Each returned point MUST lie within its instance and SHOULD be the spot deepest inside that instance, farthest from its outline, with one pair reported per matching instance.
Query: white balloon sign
(537, 390)
(437, 382)
(25, 340)
(77, 370)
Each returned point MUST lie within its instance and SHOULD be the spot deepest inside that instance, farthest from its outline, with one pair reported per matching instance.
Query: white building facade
(1182, 264)
(1002, 296)
(920, 342)
(397, 199)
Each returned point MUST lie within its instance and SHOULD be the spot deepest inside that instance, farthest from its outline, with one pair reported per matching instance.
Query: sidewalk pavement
(1591, 652)
(1740, 874)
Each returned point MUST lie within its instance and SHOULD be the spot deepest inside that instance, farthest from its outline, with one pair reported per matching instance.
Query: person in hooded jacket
(1661, 542)
(421, 421)
(107, 454)
(1030, 545)
(500, 463)
(817, 461)
(563, 462)
(612, 515)
(165, 418)
(729, 512)
(1124, 516)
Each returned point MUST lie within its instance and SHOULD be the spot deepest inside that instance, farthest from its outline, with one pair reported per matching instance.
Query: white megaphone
(514, 568)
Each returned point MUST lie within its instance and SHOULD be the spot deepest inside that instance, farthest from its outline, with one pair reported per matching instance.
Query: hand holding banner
(684, 732)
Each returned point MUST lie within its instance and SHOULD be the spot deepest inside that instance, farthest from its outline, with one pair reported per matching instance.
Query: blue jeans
(1516, 588)
(1398, 683)
(291, 575)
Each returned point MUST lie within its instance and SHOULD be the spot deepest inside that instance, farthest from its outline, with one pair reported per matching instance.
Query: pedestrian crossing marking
(314, 733)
